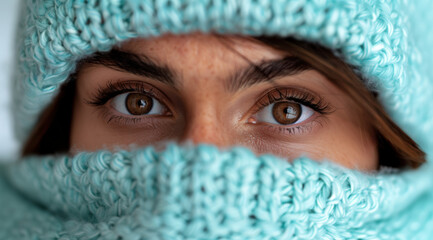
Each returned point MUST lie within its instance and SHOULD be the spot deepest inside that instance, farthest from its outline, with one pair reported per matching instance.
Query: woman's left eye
(137, 104)
(284, 113)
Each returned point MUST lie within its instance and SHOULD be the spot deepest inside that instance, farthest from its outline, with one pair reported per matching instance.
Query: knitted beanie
(202, 192)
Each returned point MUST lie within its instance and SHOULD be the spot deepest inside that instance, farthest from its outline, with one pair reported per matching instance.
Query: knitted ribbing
(371, 35)
(204, 193)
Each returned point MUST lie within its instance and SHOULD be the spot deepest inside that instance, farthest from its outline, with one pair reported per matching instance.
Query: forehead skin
(199, 56)
(206, 112)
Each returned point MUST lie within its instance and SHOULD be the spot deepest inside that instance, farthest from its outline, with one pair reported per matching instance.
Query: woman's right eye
(284, 113)
(137, 104)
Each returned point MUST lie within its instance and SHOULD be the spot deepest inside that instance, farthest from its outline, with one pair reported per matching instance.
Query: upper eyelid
(111, 89)
(300, 95)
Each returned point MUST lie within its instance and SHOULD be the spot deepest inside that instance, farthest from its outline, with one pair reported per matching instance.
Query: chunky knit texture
(202, 193)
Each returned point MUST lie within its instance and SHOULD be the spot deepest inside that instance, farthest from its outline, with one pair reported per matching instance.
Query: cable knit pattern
(369, 34)
(202, 193)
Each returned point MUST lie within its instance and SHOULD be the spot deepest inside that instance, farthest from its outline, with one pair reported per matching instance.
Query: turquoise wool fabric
(201, 192)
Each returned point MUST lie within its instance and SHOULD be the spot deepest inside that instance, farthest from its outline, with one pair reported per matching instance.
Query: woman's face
(226, 92)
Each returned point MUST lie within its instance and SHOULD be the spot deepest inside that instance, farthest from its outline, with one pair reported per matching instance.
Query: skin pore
(201, 89)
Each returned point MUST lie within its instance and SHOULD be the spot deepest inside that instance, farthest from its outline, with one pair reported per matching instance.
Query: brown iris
(138, 103)
(286, 112)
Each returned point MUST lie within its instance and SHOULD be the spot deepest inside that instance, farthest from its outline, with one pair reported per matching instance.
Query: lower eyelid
(113, 118)
(301, 129)
(151, 122)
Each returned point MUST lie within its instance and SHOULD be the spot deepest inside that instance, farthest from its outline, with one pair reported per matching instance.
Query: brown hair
(395, 147)
(51, 133)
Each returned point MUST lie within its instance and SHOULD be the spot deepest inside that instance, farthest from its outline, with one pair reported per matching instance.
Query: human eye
(131, 102)
(136, 103)
(289, 109)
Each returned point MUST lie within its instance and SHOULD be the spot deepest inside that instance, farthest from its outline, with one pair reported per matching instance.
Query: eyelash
(297, 95)
(105, 94)
(111, 90)
(300, 96)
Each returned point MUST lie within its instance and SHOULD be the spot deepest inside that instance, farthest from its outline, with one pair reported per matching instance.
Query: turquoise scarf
(205, 193)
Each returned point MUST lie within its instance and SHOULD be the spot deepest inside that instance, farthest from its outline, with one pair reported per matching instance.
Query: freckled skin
(205, 112)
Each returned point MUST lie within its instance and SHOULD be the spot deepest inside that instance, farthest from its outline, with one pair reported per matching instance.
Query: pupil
(138, 103)
(141, 103)
(290, 112)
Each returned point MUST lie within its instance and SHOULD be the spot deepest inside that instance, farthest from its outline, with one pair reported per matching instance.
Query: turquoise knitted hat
(201, 192)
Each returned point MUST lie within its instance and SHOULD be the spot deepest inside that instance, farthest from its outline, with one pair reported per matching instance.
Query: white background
(8, 21)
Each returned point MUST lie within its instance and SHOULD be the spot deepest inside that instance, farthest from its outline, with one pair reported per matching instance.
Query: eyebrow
(142, 65)
(266, 71)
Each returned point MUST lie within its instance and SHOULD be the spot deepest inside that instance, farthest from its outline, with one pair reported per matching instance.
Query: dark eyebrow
(266, 71)
(144, 66)
(132, 63)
